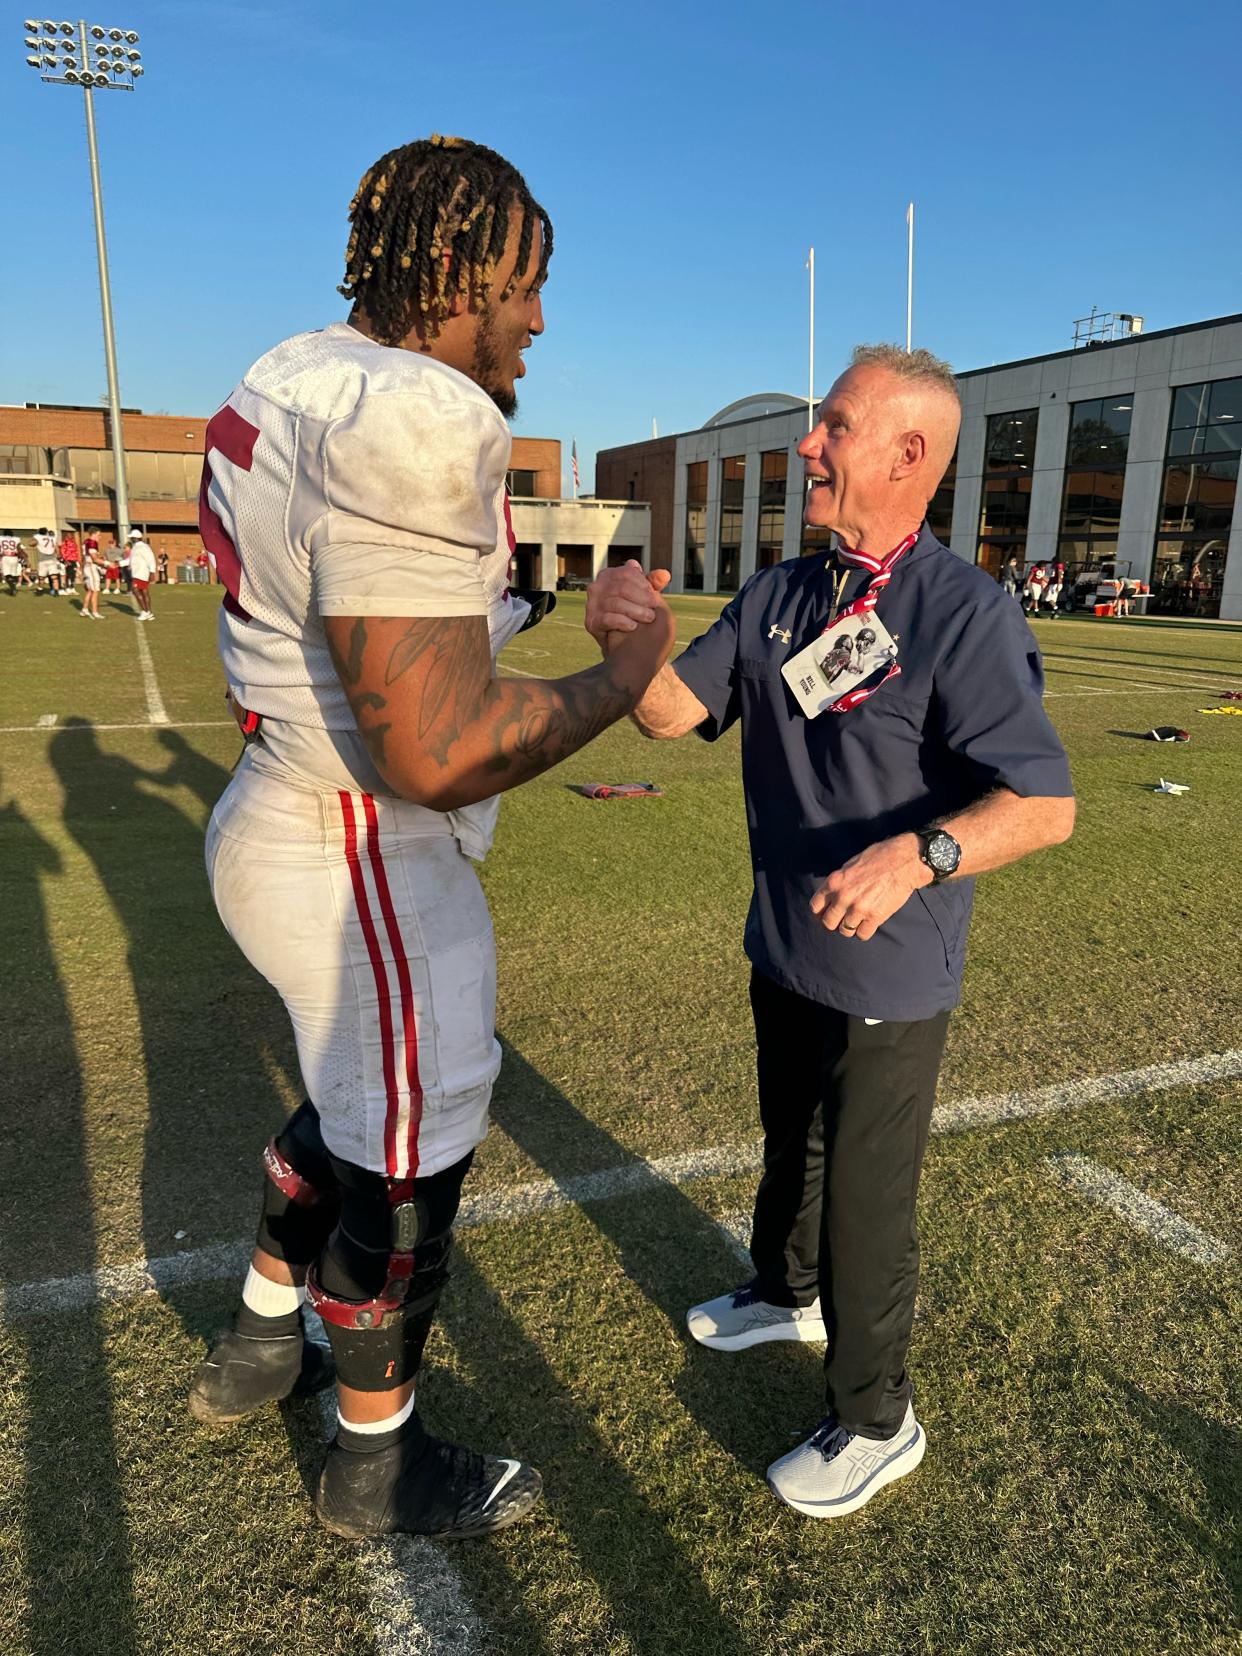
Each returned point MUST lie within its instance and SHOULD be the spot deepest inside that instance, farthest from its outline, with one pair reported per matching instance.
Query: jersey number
(235, 438)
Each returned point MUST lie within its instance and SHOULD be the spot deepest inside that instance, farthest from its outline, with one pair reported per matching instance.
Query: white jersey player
(354, 500)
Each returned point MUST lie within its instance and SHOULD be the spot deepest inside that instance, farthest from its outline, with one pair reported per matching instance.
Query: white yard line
(1108, 1189)
(964, 1114)
(418, 1601)
(1127, 687)
(735, 1229)
(157, 714)
(521, 672)
(221, 1260)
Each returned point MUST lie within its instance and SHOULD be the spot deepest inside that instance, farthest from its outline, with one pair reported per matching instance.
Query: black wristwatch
(940, 851)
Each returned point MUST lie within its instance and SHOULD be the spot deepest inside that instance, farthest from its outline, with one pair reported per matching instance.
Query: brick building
(57, 472)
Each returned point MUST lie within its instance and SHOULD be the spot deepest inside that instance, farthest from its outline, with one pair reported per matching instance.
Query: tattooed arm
(442, 731)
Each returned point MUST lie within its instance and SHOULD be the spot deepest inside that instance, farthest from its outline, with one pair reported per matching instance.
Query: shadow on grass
(676, 1255)
(655, 1600)
(205, 1020)
(1214, 1455)
(79, 1574)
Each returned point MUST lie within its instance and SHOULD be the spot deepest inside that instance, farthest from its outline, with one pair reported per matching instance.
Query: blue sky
(1060, 156)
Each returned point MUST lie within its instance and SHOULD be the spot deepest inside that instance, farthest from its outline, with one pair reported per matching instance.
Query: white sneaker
(835, 1471)
(741, 1319)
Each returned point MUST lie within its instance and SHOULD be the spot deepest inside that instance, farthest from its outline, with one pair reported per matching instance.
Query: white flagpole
(810, 387)
(909, 276)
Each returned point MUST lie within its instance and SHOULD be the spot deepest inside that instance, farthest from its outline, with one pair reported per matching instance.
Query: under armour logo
(784, 634)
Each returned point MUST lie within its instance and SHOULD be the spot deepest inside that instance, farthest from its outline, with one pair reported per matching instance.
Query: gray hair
(919, 366)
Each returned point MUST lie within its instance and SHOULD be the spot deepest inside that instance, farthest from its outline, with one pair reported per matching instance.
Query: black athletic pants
(846, 1107)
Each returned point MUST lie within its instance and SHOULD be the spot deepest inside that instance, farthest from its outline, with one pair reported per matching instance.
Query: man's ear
(910, 457)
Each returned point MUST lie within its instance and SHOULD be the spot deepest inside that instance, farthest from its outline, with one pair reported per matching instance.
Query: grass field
(1077, 1375)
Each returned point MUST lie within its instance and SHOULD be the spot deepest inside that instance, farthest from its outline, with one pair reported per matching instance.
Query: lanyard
(881, 570)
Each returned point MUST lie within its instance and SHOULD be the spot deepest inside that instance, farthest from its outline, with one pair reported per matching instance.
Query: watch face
(943, 853)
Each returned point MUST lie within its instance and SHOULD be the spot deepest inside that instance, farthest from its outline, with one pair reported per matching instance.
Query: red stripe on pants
(363, 904)
(409, 1027)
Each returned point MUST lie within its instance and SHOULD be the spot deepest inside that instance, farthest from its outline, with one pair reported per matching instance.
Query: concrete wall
(31, 503)
(599, 524)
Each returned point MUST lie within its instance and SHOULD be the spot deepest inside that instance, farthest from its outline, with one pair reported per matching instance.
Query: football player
(353, 499)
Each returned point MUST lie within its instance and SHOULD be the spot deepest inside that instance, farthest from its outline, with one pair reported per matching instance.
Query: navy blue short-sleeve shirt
(964, 715)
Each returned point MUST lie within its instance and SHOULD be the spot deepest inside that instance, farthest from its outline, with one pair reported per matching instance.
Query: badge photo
(848, 654)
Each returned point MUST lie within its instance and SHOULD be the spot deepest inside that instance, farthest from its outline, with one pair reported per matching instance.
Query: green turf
(1078, 1383)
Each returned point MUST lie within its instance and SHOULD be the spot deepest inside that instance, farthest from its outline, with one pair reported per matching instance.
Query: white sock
(365, 1428)
(270, 1299)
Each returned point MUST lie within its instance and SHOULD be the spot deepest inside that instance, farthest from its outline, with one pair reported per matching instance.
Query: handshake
(622, 600)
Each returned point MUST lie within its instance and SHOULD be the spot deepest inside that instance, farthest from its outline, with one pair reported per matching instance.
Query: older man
(872, 802)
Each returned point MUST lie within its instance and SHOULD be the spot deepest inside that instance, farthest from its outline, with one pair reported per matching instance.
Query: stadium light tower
(97, 59)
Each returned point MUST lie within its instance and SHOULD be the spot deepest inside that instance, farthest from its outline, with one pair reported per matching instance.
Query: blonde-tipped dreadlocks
(418, 202)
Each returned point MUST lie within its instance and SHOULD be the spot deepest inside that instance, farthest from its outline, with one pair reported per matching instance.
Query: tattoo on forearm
(518, 728)
(535, 727)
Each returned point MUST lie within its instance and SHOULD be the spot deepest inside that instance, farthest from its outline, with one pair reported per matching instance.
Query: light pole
(94, 58)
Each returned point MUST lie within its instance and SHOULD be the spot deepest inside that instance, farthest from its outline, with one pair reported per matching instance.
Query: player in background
(47, 565)
(70, 558)
(112, 566)
(354, 500)
(10, 561)
(92, 571)
(141, 573)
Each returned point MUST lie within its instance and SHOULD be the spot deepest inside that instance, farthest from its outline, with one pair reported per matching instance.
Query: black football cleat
(422, 1486)
(240, 1374)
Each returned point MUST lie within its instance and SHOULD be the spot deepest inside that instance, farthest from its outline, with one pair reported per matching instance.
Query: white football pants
(370, 923)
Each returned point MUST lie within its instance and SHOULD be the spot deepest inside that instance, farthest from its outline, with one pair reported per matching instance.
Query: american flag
(573, 460)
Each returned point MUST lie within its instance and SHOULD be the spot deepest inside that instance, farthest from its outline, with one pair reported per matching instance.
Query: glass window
(143, 471)
(93, 471)
(1199, 496)
(696, 525)
(1196, 508)
(1006, 505)
(1100, 431)
(993, 553)
(24, 459)
(1006, 508)
(521, 483)
(1190, 404)
(773, 471)
(940, 506)
(732, 488)
(1011, 440)
(1188, 575)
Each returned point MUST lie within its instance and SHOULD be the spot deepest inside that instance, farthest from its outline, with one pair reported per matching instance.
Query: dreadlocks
(417, 203)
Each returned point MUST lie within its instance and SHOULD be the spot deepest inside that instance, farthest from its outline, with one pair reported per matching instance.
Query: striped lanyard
(881, 570)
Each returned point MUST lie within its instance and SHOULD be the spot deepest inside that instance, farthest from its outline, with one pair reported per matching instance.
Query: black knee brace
(383, 1271)
(301, 1199)
(377, 1341)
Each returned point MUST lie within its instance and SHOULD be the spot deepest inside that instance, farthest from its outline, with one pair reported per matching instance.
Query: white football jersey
(345, 477)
